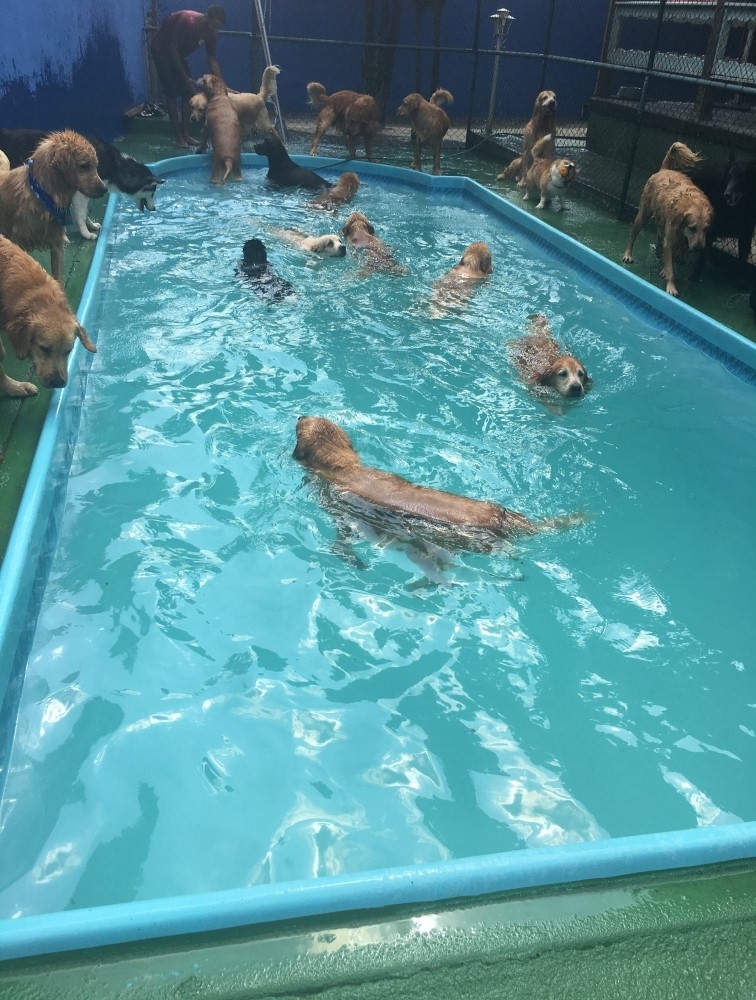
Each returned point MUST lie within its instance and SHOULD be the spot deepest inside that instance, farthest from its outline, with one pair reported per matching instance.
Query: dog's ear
(81, 333)
(20, 336)
(371, 228)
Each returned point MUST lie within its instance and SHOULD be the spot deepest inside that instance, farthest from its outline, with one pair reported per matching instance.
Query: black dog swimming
(121, 173)
(258, 273)
(730, 186)
(283, 170)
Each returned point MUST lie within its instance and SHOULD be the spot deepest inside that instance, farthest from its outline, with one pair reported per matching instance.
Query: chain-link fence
(661, 71)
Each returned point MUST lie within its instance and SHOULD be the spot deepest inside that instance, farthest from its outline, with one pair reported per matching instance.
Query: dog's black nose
(576, 389)
(342, 251)
(56, 381)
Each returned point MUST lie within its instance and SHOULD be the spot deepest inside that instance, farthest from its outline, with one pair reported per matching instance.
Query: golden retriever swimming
(455, 288)
(682, 212)
(548, 178)
(249, 107)
(342, 192)
(37, 319)
(359, 232)
(223, 127)
(429, 123)
(35, 198)
(327, 245)
(327, 450)
(357, 115)
(543, 365)
(542, 122)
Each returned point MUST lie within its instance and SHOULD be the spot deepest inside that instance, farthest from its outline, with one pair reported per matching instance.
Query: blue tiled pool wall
(23, 576)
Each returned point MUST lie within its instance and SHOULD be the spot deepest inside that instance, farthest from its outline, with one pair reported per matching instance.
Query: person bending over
(180, 34)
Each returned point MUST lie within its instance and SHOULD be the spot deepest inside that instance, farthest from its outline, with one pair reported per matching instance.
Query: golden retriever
(357, 115)
(548, 178)
(342, 192)
(359, 232)
(541, 123)
(682, 212)
(455, 288)
(36, 316)
(35, 199)
(328, 245)
(326, 449)
(429, 123)
(249, 107)
(542, 364)
(222, 124)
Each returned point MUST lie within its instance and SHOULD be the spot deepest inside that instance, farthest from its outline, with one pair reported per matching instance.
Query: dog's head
(563, 172)
(323, 446)
(254, 253)
(696, 225)
(356, 224)
(328, 245)
(544, 103)
(411, 104)
(567, 376)
(47, 338)
(477, 257)
(346, 186)
(198, 105)
(271, 145)
(210, 85)
(737, 177)
(67, 162)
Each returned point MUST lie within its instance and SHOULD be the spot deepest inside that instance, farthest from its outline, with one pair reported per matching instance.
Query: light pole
(502, 20)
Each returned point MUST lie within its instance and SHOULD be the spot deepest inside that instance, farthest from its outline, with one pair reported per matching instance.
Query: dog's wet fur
(282, 170)
(257, 272)
(543, 364)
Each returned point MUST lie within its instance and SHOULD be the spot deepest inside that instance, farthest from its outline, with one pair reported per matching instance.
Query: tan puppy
(541, 123)
(326, 449)
(455, 289)
(543, 365)
(36, 316)
(682, 212)
(34, 200)
(341, 193)
(249, 107)
(548, 178)
(359, 232)
(223, 127)
(357, 115)
(429, 123)
(328, 245)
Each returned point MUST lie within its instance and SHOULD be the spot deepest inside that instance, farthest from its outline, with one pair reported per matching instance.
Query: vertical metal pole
(474, 80)
(269, 62)
(641, 109)
(494, 79)
(547, 46)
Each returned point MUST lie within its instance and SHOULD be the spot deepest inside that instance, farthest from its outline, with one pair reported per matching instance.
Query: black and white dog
(121, 173)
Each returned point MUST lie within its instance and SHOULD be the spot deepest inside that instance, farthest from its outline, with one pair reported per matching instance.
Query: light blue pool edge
(24, 572)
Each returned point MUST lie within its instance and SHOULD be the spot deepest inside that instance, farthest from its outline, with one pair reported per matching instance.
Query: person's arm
(212, 61)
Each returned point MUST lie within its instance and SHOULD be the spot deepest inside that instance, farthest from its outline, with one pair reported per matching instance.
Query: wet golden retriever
(37, 319)
(327, 245)
(35, 198)
(682, 212)
(222, 124)
(249, 107)
(359, 232)
(548, 178)
(429, 123)
(542, 122)
(327, 450)
(455, 288)
(357, 115)
(544, 366)
(342, 192)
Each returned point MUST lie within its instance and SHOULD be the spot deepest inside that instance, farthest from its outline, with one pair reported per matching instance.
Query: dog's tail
(679, 157)
(268, 85)
(441, 96)
(512, 172)
(316, 95)
(543, 148)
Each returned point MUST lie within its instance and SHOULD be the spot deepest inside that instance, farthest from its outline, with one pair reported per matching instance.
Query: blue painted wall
(81, 63)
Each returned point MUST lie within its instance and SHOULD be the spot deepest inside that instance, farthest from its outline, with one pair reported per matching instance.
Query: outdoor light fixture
(502, 21)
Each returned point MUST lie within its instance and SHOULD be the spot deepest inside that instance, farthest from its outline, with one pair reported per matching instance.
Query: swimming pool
(182, 488)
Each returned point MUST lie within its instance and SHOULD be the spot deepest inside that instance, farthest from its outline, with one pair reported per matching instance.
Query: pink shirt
(182, 30)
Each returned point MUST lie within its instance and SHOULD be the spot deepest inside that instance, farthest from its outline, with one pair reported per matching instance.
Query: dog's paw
(627, 259)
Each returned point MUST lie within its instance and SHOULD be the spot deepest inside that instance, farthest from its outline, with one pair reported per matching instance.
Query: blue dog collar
(63, 216)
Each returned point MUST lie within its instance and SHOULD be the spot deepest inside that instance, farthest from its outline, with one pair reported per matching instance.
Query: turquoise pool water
(221, 694)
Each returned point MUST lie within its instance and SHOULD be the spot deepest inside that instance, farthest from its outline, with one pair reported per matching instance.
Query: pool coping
(23, 576)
